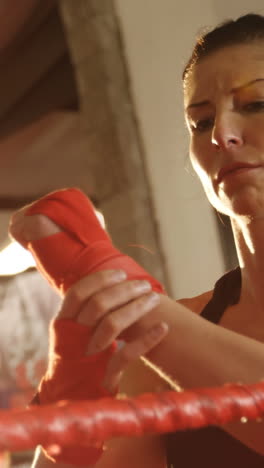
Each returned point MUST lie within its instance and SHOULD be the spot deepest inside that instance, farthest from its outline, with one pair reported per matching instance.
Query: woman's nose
(227, 131)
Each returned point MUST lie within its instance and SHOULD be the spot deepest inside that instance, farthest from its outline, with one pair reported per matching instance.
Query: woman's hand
(114, 307)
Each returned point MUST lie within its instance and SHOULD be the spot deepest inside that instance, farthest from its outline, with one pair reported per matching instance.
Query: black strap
(226, 293)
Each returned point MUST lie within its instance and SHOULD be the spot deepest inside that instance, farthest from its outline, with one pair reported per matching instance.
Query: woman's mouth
(235, 169)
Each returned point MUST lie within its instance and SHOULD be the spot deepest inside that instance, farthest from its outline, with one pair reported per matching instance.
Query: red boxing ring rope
(68, 423)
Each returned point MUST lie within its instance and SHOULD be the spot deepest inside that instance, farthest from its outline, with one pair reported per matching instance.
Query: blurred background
(91, 96)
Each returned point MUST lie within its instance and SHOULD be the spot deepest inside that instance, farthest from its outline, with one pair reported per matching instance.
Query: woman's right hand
(115, 308)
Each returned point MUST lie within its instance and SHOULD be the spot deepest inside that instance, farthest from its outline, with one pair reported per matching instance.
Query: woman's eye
(202, 125)
(255, 106)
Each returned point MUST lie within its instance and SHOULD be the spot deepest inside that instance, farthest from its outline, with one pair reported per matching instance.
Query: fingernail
(142, 286)
(118, 275)
(153, 298)
(159, 329)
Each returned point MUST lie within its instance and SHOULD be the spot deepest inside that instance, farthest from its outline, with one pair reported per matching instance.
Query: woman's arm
(194, 353)
(198, 353)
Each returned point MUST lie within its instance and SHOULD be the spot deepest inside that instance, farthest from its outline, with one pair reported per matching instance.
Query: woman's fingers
(109, 304)
(84, 289)
(109, 299)
(114, 323)
(131, 352)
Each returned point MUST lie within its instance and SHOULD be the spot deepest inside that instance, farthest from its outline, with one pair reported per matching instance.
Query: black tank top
(212, 447)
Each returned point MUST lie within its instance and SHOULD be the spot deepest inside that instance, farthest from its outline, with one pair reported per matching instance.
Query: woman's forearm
(199, 353)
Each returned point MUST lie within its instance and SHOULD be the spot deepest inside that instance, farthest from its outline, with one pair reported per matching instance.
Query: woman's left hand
(114, 311)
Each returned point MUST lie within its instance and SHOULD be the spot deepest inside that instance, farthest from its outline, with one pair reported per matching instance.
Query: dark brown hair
(243, 30)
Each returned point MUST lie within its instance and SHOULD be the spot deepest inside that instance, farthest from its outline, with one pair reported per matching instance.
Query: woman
(224, 105)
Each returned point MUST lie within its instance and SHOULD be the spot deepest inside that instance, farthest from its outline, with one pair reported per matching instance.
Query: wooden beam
(15, 203)
(32, 17)
(54, 91)
(32, 59)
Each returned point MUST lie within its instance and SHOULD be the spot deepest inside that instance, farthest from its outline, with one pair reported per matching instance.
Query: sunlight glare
(15, 259)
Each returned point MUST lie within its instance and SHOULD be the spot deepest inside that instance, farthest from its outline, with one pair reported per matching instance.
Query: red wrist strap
(71, 374)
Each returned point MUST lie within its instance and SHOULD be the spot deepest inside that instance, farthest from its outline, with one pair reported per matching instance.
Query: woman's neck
(249, 239)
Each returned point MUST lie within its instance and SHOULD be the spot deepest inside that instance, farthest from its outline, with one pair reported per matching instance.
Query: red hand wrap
(69, 373)
(72, 375)
(81, 248)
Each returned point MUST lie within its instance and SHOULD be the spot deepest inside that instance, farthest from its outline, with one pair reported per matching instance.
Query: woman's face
(224, 106)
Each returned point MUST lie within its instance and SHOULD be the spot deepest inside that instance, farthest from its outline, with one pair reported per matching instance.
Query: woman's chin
(245, 206)
(246, 200)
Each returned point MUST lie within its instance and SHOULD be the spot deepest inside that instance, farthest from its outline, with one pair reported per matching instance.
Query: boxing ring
(91, 422)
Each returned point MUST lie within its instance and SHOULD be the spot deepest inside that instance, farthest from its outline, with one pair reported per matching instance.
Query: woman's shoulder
(226, 290)
(197, 303)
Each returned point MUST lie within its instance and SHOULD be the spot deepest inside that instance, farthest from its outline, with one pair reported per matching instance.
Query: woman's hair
(241, 31)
